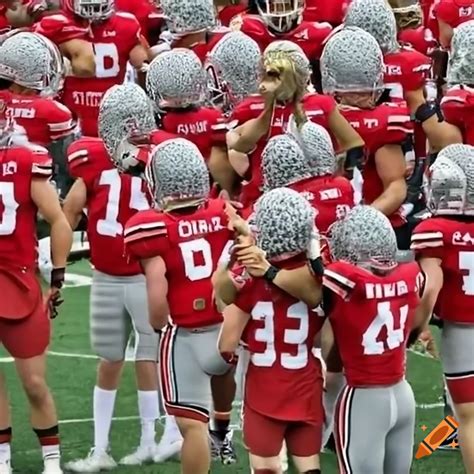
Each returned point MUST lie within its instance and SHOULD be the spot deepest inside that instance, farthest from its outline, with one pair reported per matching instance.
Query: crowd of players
(246, 194)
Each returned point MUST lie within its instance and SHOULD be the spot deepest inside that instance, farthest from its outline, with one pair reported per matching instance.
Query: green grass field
(72, 374)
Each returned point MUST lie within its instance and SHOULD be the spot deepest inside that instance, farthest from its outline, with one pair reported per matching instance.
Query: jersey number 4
(371, 340)
(9, 205)
(264, 311)
(110, 226)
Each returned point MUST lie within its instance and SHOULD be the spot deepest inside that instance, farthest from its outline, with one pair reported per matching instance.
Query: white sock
(171, 428)
(335, 381)
(5, 452)
(149, 413)
(104, 402)
(51, 452)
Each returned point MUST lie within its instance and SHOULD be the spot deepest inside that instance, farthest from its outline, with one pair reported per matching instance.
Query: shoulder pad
(427, 235)
(87, 155)
(338, 278)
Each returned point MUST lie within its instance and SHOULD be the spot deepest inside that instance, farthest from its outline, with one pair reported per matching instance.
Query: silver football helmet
(446, 190)
(92, 10)
(461, 58)
(352, 61)
(189, 16)
(125, 113)
(284, 222)
(281, 15)
(177, 174)
(364, 237)
(32, 61)
(233, 68)
(283, 163)
(377, 18)
(176, 79)
(458, 152)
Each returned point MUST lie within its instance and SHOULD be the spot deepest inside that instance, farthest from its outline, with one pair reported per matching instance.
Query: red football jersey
(372, 316)
(191, 245)
(386, 124)
(420, 39)
(281, 379)
(332, 12)
(227, 13)
(145, 11)
(112, 199)
(317, 108)
(204, 126)
(458, 109)
(113, 41)
(43, 120)
(331, 197)
(451, 241)
(201, 49)
(60, 28)
(18, 212)
(454, 12)
(309, 35)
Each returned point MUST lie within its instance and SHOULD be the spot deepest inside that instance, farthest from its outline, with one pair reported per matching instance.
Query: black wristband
(426, 111)
(271, 274)
(57, 277)
(354, 158)
(317, 266)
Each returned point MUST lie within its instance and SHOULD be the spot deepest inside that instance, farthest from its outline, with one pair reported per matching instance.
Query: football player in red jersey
(383, 126)
(179, 247)
(458, 103)
(116, 37)
(292, 409)
(445, 250)
(283, 20)
(449, 15)
(376, 409)
(286, 164)
(32, 69)
(177, 82)
(228, 9)
(283, 96)
(321, 11)
(118, 294)
(191, 24)
(24, 312)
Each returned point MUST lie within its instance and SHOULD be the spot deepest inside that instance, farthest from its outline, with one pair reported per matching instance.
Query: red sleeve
(41, 162)
(319, 102)
(415, 70)
(219, 127)
(59, 119)
(398, 127)
(447, 11)
(244, 299)
(427, 240)
(132, 28)
(146, 235)
(60, 29)
(246, 111)
(452, 105)
(338, 280)
(86, 158)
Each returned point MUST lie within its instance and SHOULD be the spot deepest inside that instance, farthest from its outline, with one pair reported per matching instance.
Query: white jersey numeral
(466, 262)
(8, 216)
(103, 52)
(110, 226)
(385, 318)
(264, 311)
(200, 249)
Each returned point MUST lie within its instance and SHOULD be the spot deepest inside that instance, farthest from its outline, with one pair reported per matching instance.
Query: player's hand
(52, 298)
(226, 197)
(236, 223)
(254, 260)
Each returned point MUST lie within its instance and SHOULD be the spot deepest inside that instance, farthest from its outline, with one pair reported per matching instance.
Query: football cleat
(97, 460)
(141, 455)
(168, 448)
(222, 449)
(5, 467)
(52, 466)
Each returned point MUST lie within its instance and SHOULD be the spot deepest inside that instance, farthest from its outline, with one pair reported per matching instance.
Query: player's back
(18, 167)
(191, 242)
(372, 316)
(458, 109)
(310, 36)
(331, 196)
(452, 241)
(280, 337)
(112, 199)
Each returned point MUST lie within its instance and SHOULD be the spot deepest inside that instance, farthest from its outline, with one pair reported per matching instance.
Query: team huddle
(282, 186)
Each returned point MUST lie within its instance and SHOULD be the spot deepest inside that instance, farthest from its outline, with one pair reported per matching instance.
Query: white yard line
(72, 355)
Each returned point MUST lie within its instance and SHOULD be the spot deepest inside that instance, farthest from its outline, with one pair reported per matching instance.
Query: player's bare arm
(221, 169)
(345, 134)
(75, 202)
(234, 324)
(433, 283)
(439, 134)
(390, 164)
(445, 33)
(81, 55)
(157, 291)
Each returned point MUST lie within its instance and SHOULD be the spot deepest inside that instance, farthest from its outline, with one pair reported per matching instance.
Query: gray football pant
(118, 306)
(374, 429)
